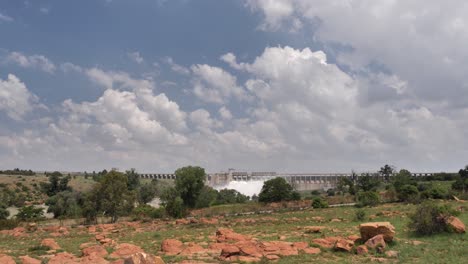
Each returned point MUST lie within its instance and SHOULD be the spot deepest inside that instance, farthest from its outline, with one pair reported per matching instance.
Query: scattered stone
(328, 242)
(391, 254)
(212, 221)
(171, 246)
(455, 224)
(191, 249)
(378, 259)
(312, 250)
(182, 222)
(5, 259)
(417, 243)
(143, 258)
(344, 245)
(29, 260)
(64, 258)
(376, 242)
(226, 234)
(369, 230)
(335, 220)
(93, 259)
(354, 238)
(125, 250)
(50, 242)
(229, 250)
(96, 250)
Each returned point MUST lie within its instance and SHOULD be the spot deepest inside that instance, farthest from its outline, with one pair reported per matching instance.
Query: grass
(442, 248)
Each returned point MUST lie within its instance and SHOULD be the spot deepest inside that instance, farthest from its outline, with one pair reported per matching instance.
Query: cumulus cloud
(15, 99)
(34, 61)
(215, 85)
(176, 67)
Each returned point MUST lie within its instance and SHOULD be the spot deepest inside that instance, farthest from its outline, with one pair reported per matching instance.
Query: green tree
(64, 204)
(133, 179)
(403, 177)
(367, 198)
(147, 192)
(230, 196)
(207, 197)
(57, 183)
(461, 182)
(386, 171)
(189, 183)
(345, 185)
(275, 190)
(367, 182)
(173, 203)
(408, 193)
(114, 198)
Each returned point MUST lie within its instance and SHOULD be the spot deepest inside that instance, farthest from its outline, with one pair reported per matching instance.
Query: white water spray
(248, 188)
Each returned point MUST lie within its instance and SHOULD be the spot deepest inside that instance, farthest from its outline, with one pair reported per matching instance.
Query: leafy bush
(436, 192)
(173, 203)
(275, 190)
(368, 198)
(429, 219)
(4, 213)
(28, 213)
(360, 215)
(144, 211)
(331, 192)
(319, 203)
(207, 197)
(408, 193)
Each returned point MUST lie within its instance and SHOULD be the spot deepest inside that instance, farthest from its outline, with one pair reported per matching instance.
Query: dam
(300, 181)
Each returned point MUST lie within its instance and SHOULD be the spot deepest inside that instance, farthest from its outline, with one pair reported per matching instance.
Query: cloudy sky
(283, 85)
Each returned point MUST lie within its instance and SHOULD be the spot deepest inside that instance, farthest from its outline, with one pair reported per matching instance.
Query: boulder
(191, 249)
(328, 242)
(369, 230)
(344, 245)
(226, 234)
(249, 248)
(50, 242)
(143, 258)
(171, 246)
(93, 259)
(455, 224)
(227, 250)
(64, 258)
(96, 250)
(362, 250)
(126, 250)
(5, 259)
(376, 242)
(29, 260)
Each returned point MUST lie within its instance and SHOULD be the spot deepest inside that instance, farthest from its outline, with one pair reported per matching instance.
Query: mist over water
(248, 188)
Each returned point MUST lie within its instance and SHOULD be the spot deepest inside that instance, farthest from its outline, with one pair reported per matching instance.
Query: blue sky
(289, 85)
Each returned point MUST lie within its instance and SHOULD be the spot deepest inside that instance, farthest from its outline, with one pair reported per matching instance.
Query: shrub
(368, 198)
(360, 215)
(435, 192)
(408, 193)
(429, 219)
(30, 213)
(144, 211)
(331, 192)
(6, 224)
(4, 213)
(319, 203)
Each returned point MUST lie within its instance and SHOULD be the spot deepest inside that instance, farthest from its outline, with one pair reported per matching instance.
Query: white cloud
(5, 18)
(15, 99)
(44, 10)
(215, 85)
(225, 113)
(135, 56)
(176, 67)
(70, 67)
(34, 61)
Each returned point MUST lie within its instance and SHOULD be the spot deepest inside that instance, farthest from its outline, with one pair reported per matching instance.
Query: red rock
(272, 257)
(228, 250)
(64, 258)
(100, 237)
(96, 250)
(226, 234)
(279, 248)
(376, 242)
(369, 230)
(191, 249)
(29, 260)
(344, 245)
(391, 254)
(249, 248)
(245, 259)
(5, 259)
(93, 259)
(171, 246)
(212, 221)
(92, 229)
(49, 242)
(143, 258)
(455, 224)
(354, 238)
(362, 250)
(312, 250)
(300, 245)
(328, 242)
(125, 250)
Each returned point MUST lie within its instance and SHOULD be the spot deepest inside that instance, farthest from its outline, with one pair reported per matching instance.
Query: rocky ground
(306, 236)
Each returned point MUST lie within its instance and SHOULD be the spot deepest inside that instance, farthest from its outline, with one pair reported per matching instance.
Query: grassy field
(443, 248)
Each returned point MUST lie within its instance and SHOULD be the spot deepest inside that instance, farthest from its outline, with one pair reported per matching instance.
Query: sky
(255, 85)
